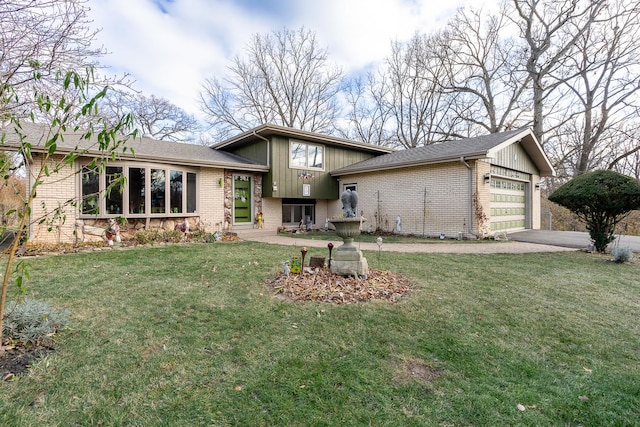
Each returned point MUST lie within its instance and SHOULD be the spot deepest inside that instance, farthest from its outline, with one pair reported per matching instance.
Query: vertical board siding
(323, 185)
(515, 157)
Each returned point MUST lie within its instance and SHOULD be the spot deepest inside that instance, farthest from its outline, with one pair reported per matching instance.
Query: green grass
(190, 335)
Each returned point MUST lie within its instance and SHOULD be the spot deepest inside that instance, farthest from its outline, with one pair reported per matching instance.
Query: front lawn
(190, 335)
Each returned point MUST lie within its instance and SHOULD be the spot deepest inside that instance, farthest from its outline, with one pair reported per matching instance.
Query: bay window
(147, 191)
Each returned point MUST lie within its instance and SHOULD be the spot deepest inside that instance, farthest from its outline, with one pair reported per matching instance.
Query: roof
(483, 147)
(266, 130)
(144, 149)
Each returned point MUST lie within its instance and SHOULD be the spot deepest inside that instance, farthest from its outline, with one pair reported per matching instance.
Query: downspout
(464, 162)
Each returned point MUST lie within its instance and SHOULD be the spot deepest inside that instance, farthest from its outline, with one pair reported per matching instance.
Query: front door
(241, 199)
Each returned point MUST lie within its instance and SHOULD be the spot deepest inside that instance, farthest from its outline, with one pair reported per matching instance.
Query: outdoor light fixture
(487, 178)
(538, 186)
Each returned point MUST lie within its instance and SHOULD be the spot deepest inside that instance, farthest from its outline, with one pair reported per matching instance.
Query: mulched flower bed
(322, 286)
(16, 360)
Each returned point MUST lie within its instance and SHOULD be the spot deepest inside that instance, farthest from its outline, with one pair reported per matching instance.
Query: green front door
(241, 199)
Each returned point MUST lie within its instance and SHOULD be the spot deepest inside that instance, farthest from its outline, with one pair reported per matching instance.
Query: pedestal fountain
(348, 259)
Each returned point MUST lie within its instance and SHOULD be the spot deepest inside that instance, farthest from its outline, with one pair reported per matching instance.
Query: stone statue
(112, 232)
(349, 203)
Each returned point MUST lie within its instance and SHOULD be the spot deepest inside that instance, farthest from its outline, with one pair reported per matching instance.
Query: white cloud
(170, 54)
(359, 32)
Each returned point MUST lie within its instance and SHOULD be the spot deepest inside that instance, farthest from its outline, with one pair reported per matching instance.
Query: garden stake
(379, 243)
(303, 251)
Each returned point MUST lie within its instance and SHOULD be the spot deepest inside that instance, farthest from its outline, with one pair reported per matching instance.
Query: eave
(268, 130)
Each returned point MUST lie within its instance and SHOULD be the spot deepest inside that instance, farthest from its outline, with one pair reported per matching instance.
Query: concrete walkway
(435, 246)
(571, 239)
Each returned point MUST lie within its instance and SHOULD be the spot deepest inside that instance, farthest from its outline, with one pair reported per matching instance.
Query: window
(137, 187)
(90, 191)
(294, 211)
(114, 190)
(352, 187)
(191, 192)
(158, 191)
(175, 191)
(147, 191)
(305, 155)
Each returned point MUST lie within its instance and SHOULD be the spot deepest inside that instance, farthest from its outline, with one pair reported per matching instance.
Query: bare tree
(284, 78)
(551, 31)
(606, 86)
(408, 97)
(484, 72)
(367, 117)
(459, 82)
(38, 38)
(625, 151)
(154, 117)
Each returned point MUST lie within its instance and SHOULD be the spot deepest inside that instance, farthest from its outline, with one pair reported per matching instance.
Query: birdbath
(347, 229)
(348, 259)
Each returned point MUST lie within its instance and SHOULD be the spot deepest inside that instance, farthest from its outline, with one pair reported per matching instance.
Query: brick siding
(429, 200)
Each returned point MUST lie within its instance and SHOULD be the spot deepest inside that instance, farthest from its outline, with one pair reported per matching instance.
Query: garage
(508, 204)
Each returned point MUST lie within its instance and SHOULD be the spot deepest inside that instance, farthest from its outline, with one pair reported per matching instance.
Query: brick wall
(535, 203)
(429, 200)
(54, 193)
(211, 199)
(482, 198)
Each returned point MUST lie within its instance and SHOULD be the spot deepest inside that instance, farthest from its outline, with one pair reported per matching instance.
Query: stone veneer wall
(256, 182)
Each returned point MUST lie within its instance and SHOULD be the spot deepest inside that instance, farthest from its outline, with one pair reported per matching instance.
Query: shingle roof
(269, 129)
(146, 149)
(468, 149)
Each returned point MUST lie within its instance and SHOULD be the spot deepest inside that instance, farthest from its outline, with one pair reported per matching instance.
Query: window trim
(147, 167)
(292, 204)
(353, 186)
(306, 145)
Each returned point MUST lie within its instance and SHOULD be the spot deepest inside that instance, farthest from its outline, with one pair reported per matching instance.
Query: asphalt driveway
(570, 239)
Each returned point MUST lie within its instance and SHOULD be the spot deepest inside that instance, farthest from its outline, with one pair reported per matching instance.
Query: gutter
(408, 164)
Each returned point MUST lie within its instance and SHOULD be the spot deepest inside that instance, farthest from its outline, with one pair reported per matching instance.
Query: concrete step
(253, 232)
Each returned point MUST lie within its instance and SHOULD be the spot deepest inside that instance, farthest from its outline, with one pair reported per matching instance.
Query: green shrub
(144, 237)
(622, 255)
(32, 321)
(601, 199)
(173, 236)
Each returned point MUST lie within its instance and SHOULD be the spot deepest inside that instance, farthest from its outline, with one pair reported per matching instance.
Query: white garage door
(508, 205)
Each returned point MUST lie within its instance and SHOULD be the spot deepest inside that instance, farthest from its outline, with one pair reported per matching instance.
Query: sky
(169, 47)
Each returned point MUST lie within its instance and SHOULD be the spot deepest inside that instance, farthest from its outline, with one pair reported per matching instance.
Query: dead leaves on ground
(322, 286)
